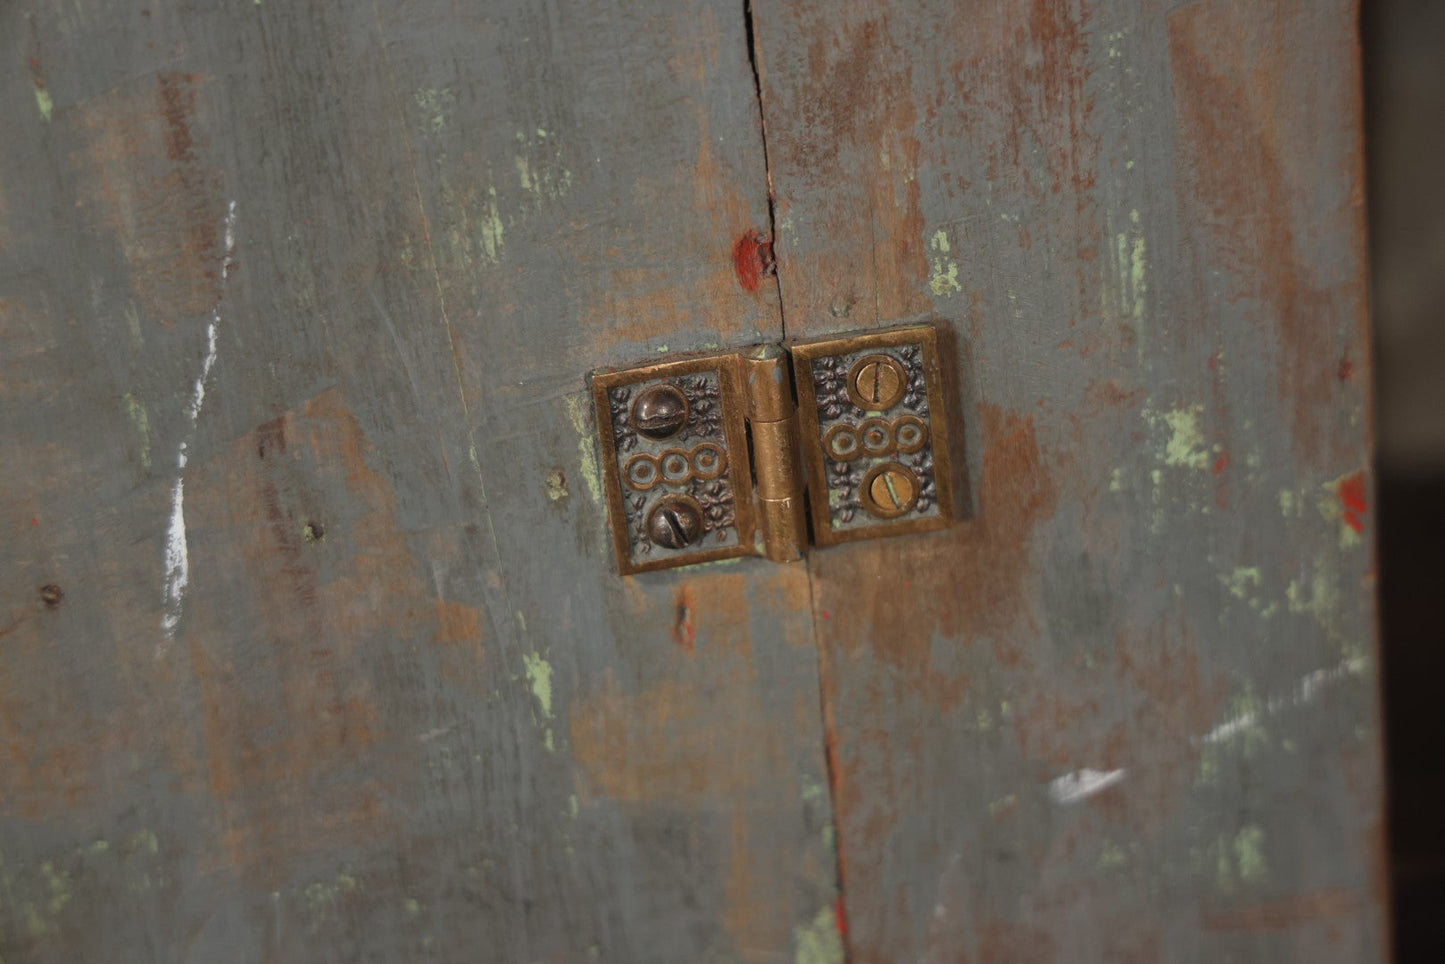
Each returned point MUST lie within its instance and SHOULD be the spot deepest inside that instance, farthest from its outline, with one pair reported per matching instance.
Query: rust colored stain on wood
(663, 743)
(147, 185)
(1248, 151)
(989, 554)
(295, 747)
(1285, 912)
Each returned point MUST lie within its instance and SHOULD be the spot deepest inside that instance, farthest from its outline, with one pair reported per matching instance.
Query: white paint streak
(177, 563)
(1079, 785)
(1082, 784)
(1306, 690)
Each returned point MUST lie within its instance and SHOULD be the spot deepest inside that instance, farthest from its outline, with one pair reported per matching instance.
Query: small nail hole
(51, 595)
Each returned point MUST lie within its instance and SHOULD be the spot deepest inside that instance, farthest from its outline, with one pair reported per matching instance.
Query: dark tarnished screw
(660, 412)
(674, 523)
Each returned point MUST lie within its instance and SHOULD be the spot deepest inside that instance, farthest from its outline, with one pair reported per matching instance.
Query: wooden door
(311, 645)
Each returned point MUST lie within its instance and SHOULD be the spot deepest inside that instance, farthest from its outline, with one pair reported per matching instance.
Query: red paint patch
(684, 633)
(840, 918)
(1221, 463)
(753, 258)
(1347, 369)
(1352, 500)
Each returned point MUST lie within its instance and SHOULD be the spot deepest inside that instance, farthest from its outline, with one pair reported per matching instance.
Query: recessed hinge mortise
(729, 455)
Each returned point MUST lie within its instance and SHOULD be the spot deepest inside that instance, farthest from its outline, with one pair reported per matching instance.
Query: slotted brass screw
(674, 523)
(890, 490)
(876, 383)
(660, 412)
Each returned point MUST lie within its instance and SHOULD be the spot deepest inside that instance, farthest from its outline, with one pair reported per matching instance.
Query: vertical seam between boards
(821, 663)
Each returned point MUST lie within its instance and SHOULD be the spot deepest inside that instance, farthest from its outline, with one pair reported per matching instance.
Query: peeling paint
(944, 278)
(540, 169)
(1249, 854)
(555, 485)
(491, 229)
(137, 413)
(1131, 251)
(434, 103)
(539, 677)
(322, 897)
(579, 410)
(1185, 446)
(819, 942)
(1241, 581)
(44, 103)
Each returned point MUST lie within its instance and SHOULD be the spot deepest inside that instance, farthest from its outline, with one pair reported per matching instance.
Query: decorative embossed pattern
(839, 415)
(703, 460)
(845, 440)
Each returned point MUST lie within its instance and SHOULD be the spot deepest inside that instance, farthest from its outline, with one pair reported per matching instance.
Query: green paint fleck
(58, 885)
(812, 790)
(539, 675)
(572, 808)
(556, 485)
(1185, 446)
(412, 906)
(138, 418)
(492, 229)
(1002, 804)
(322, 897)
(1133, 283)
(1116, 481)
(579, 412)
(132, 320)
(1241, 581)
(434, 103)
(1186, 442)
(1249, 855)
(818, 942)
(1208, 774)
(1112, 856)
(143, 840)
(43, 101)
(100, 846)
(944, 279)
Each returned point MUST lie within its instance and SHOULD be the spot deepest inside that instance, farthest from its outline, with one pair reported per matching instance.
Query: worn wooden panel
(1125, 711)
(311, 647)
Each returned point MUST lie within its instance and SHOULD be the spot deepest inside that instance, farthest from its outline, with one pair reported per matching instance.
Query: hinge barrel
(776, 466)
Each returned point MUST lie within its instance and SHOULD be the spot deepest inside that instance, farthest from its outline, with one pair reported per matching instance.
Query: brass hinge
(701, 456)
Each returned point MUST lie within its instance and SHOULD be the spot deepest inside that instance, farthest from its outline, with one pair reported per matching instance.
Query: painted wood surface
(311, 646)
(296, 301)
(1127, 710)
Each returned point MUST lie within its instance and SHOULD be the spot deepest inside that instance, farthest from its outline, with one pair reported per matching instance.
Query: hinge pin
(769, 387)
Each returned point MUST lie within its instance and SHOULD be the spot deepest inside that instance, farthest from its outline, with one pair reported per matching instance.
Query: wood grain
(357, 681)
(1127, 710)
